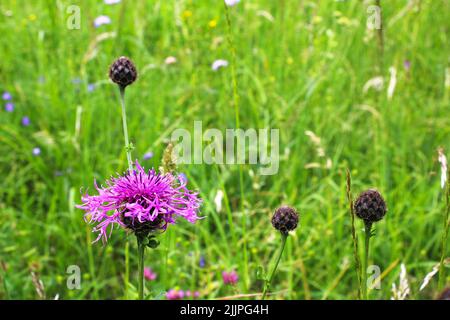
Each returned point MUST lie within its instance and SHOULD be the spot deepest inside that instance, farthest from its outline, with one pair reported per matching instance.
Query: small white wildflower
(111, 1)
(219, 64)
(218, 200)
(170, 60)
(101, 20)
(232, 3)
(443, 161)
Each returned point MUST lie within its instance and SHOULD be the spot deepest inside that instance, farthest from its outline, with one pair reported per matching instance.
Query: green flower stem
(368, 230)
(127, 267)
(130, 167)
(277, 261)
(354, 236)
(141, 251)
(125, 128)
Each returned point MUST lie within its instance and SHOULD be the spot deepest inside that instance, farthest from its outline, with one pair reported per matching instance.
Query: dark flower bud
(370, 206)
(123, 72)
(285, 219)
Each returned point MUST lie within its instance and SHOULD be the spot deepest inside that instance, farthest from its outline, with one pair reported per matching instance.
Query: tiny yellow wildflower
(212, 24)
(187, 14)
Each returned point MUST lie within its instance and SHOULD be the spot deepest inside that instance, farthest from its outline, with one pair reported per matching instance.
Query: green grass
(300, 65)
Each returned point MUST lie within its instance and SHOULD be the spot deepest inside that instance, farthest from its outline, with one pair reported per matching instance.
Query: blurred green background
(304, 67)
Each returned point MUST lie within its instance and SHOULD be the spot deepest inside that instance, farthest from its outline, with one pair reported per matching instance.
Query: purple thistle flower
(9, 107)
(141, 201)
(36, 151)
(230, 277)
(174, 294)
(149, 274)
(109, 2)
(148, 155)
(26, 121)
(6, 95)
(101, 20)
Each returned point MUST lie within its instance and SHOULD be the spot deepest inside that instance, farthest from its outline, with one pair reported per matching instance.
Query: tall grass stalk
(353, 230)
(237, 124)
(380, 38)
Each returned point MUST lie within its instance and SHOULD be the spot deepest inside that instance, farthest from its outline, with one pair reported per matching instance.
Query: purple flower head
(149, 274)
(101, 20)
(148, 155)
(202, 262)
(407, 65)
(90, 87)
(9, 107)
(174, 294)
(141, 201)
(111, 1)
(230, 277)
(26, 121)
(6, 95)
(36, 151)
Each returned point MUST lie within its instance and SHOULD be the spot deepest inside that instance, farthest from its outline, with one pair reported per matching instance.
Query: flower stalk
(141, 253)
(274, 269)
(128, 146)
(353, 230)
(369, 207)
(368, 231)
(118, 78)
(285, 219)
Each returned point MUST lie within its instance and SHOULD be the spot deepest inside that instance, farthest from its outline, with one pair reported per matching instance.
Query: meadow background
(301, 67)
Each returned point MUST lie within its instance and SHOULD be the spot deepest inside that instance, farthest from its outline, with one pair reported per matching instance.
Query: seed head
(285, 219)
(370, 206)
(123, 72)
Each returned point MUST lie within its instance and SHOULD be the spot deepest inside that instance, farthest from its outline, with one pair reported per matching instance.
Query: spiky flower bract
(370, 206)
(285, 219)
(123, 72)
(141, 201)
